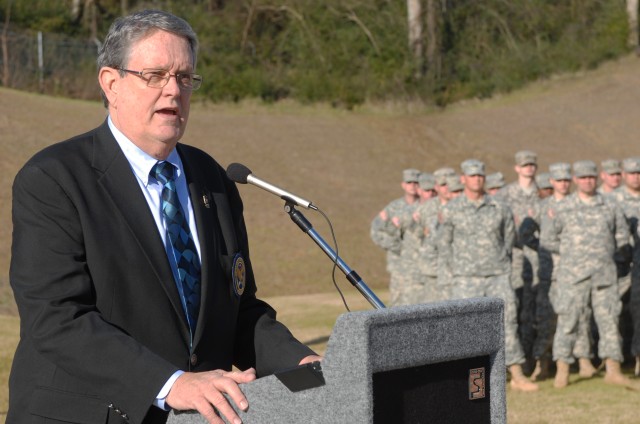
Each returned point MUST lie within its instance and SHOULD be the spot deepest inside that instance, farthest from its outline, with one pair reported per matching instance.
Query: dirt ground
(350, 163)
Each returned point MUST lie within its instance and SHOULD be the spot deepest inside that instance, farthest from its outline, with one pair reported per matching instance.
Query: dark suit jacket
(102, 326)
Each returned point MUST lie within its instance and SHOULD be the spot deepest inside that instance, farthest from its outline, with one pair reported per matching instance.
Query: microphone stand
(352, 276)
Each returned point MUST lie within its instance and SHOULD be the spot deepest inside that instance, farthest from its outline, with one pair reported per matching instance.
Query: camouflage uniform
(445, 277)
(524, 206)
(475, 241)
(388, 236)
(630, 205)
(426, 217)
(590, 234)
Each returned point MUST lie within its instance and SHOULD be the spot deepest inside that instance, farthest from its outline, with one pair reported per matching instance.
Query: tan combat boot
(541, 371)
(614, 375)
(587, 370)
(562, 375)
(519, 381)
(637, 370)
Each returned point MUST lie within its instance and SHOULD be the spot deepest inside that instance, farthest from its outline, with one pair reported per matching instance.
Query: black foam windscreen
(238, 172)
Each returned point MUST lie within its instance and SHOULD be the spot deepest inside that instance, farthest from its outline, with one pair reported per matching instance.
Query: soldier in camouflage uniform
(410, 285)
(592, 231)
(543, 181)
(611, 176)
(628, 198)
(441, 175)
(477, 235)
(494, 182)
(445, 278)
(522, 198)
(386, 232)
(424, 225)
(546, 290)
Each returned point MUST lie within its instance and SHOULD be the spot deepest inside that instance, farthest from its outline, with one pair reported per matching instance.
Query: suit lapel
(208, 199)
(121, 185)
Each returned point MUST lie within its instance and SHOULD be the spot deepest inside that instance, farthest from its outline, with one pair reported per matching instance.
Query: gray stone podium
(440, 362)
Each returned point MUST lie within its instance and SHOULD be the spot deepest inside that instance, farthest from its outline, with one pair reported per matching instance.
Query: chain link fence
(49, 63)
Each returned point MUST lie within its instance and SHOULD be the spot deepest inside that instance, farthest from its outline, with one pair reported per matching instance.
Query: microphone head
(238, 173)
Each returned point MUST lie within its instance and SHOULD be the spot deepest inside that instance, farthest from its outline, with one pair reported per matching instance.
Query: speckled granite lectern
(435, 363)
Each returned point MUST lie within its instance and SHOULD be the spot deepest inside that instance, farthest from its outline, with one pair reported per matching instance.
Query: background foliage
(346, 52)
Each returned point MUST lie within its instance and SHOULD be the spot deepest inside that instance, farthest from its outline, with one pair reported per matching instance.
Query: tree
(6, 75)
(632, 11)
(414, 21)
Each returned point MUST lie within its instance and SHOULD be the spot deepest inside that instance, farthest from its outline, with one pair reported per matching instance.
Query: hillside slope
(350, 163)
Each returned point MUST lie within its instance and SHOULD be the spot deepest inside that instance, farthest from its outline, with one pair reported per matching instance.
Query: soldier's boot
(637, 371)
(614, 375)
(587, 370)
(519, 381)
(541, 371)
(562, 375)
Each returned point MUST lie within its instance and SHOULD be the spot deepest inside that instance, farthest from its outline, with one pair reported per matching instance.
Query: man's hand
(204, 391)
(310, 358)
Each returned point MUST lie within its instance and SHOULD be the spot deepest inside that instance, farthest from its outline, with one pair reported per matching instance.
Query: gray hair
(128, 30)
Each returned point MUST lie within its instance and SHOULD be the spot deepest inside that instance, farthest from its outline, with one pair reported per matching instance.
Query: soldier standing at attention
(386, 233)
(522, 197)
(445, 278)
(410, 286)
(611, 176)
(425, 220)
(628, 198)
(545, 189)
(476, 239)
(494, 182)
(560, 179)
(592, 231)
(441, 175)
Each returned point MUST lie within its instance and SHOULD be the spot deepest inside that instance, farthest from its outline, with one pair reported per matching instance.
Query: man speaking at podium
(130, 262)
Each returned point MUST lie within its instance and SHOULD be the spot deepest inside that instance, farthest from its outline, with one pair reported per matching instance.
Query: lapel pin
(205, 201)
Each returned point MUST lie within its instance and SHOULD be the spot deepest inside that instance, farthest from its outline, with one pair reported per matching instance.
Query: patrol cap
(560, 171)
(495, 180)
(585, 168)
(410, 175)
(454, 183)
(542, 180)
(427, 181)
(611, 166)
(526, 157)
(472, 167)
(441, 175)
(631, 164)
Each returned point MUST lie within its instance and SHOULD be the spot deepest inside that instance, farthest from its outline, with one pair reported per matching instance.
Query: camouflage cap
(441, 175)
(454, 183)
(427, 181)
(611, 166)
(585, 168)
(472, 167)
(631, 164)
(543, 180)
(495, 180)
(560, 171)
(410, 175)
(526, 157)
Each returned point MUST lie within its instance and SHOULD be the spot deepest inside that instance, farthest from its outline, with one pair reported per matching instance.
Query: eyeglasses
(158, 78)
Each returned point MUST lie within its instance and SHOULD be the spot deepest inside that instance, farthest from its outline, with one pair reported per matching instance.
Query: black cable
(335, 261)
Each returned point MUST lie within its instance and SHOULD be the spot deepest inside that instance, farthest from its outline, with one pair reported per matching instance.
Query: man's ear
(109, 79)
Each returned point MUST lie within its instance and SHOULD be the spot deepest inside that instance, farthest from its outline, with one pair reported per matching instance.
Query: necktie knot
(164, 171)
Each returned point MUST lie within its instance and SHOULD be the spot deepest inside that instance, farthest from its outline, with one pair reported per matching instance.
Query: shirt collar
(140, 161)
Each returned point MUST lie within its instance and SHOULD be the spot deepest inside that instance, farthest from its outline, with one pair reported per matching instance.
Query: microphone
(242, 175)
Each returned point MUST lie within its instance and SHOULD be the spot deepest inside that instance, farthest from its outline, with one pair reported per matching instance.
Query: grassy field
(350, 165)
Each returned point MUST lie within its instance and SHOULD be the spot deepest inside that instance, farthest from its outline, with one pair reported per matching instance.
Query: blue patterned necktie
(184, 248)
